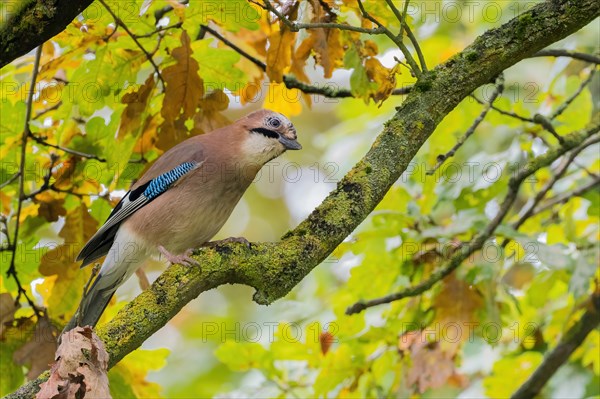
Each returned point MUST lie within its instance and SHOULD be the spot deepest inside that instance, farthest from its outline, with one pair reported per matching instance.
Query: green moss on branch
(32, 22)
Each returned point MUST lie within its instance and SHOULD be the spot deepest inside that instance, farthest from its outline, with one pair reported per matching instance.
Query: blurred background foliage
(101, 115)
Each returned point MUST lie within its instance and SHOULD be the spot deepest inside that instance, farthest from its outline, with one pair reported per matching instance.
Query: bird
(180, 203)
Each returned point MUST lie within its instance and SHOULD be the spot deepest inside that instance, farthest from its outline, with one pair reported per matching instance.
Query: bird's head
(269, 134)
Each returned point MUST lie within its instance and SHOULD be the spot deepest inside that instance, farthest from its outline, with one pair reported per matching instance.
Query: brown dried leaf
(172, 132)
(209, 117)
(80, 368)
(431, 366)
(184, 87)
(38, 352)
(50, 206)
(326, 43)
(8, 307)
(456, 306)
(326, 339)
(148, 135)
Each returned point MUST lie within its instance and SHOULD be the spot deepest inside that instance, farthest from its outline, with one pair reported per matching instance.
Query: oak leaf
(430, 365)
(80, 368)
(184, 87)
(281, 45)
(279, 54)
(326, 43)
(136, 101)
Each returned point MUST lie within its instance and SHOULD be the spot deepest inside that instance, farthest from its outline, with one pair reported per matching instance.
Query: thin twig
(67, 150)
(404, 27)
(467, 249)
(547, 125)
(296, 26)
(503, 112)
(159, 14)
(569, 100)
(45, 111)
(565, 197)
(10, 180)
(12, 271)
(46, 184)
(41, 141)
(230, 44)
(585, 169)
(397, 39)
(160, 29)
(443, 157)
(570, 341)
(119, 22)
(417, 47)
(566, 53)
(561, 170)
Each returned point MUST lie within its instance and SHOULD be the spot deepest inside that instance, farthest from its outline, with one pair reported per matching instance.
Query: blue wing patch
(101, 242)
(161, 183)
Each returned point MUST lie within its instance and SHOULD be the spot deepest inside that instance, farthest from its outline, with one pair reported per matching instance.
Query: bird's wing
(135, 199)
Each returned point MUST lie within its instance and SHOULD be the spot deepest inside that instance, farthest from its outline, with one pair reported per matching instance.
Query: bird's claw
(183, 259)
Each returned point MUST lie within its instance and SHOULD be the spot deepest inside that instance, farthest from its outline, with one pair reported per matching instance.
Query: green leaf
(217, 66)
(510, 373)
(243, 356)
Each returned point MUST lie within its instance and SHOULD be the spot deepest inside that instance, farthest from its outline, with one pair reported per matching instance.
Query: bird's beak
(289, 144)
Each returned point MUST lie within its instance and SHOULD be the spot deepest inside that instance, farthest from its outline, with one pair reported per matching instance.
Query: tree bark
(31, 22)
(274, 269)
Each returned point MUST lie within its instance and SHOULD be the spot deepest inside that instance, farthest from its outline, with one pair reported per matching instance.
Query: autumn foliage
(84, 115)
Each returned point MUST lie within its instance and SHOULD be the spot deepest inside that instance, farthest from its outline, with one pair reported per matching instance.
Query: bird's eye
(274, 123)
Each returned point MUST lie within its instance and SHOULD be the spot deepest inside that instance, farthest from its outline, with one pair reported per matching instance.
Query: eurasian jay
(181, 202)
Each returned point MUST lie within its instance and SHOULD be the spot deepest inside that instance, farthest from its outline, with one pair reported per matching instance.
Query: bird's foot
(239, 240)
(184, 258)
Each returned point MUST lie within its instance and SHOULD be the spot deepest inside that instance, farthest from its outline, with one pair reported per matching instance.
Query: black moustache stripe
(266, 132)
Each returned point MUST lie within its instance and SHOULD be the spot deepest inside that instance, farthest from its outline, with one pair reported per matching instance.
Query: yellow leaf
(385, 79)
(30, 210)
(279, 54)
(136, 101)
(283, 100)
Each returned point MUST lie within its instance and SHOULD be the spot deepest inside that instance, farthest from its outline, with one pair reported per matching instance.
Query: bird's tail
(115, 270)
(94, 301)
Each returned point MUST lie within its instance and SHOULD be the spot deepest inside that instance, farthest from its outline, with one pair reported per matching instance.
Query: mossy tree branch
(30, 23)
(276, 268)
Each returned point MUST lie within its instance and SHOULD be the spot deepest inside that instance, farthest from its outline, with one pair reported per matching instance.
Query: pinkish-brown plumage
(187, 210)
